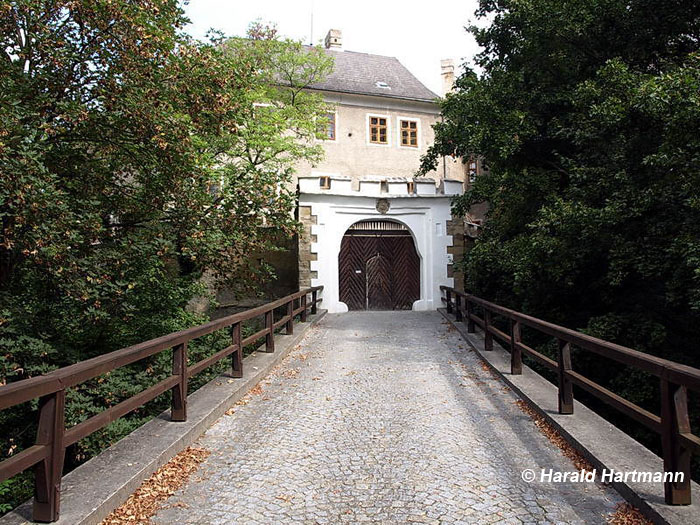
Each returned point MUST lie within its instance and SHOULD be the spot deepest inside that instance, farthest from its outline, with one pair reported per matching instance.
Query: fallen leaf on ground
(256, 390)
(626, 514)
(149, 497)
(555, 437)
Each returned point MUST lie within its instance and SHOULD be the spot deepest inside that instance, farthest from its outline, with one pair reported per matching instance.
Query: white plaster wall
(426, 217)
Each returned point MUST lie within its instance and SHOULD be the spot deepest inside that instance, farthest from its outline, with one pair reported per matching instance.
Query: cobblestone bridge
(383, 417)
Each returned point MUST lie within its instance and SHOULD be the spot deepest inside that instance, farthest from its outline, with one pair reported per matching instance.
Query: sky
(419, 34)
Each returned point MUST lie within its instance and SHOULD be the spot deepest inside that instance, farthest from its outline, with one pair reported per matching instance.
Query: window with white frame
(378, 130)
(408, 133)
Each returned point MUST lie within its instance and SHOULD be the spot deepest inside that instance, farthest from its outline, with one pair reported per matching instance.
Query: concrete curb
(93, 490)
(601, 443)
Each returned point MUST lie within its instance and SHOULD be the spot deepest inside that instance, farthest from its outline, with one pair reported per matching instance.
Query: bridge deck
(381, 417)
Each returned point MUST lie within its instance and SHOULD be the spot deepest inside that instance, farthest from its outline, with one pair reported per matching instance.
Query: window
(409, 133)
(472, 169)
(328, 130)
(214, 187)
(378, 133)
(324, 182)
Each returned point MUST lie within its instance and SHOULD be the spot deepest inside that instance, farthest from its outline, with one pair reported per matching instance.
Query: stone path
(381, 417)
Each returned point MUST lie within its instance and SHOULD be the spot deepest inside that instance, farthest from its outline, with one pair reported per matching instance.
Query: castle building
(375, 235)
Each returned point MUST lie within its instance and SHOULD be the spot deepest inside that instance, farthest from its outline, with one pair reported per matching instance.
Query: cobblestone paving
(381, 417)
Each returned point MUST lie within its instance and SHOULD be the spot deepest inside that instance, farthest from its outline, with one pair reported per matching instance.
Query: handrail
(52, 436)
(678, 442)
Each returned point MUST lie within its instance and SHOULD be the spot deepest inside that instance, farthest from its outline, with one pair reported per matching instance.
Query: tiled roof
(377, 75)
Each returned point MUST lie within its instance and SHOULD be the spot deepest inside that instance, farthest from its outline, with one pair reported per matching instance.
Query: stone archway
(378, 267)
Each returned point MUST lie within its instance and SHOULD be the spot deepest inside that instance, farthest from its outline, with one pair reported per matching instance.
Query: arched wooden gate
(379, 268)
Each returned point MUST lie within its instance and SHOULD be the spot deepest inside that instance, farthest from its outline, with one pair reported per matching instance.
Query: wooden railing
(52, 436)
(678, 441)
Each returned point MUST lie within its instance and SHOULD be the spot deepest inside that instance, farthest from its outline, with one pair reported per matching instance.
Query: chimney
(447, 67)
(334, 40)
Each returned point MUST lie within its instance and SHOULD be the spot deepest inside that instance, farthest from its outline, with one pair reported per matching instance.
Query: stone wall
(285, 281)
(305, 239)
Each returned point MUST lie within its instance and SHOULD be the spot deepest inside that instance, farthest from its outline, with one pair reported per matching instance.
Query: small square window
(324, 182)
(409, 133)
(378, 131)
(214, 189)
(473, 169)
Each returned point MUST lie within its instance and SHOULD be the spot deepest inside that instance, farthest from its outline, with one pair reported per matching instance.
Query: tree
(132, 160)
(586, 113)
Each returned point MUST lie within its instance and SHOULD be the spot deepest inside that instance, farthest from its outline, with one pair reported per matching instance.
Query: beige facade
(352, 154)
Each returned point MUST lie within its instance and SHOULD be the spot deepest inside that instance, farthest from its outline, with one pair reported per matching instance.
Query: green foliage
(587, 115)
(133, 161)
(15, 490)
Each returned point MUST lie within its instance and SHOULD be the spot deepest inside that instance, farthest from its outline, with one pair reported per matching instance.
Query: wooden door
(394, 283)
(378, 282)
(405, 272)
(354, 252)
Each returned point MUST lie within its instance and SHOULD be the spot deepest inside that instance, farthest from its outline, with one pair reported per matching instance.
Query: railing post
(458, 307)
(47, 483)
(516, 354)
(237, 356)
(488, 336)
(270, 325)
(566, 387)
(178, 408)
(448, 296)
(471, 328)
(289, 327)
(314, 298)
(303, 305)
(674, 422)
